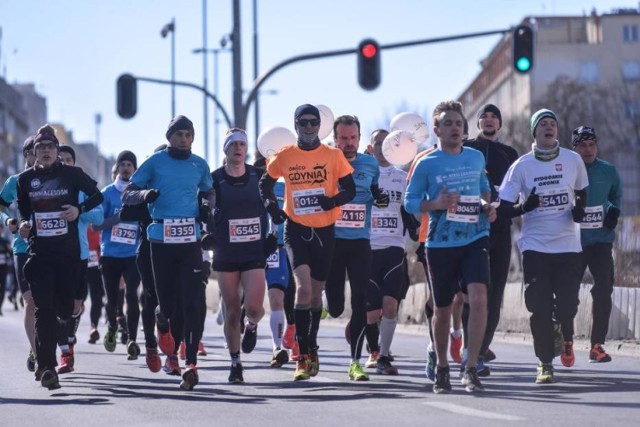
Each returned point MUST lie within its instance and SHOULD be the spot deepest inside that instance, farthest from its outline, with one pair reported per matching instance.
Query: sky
(74, 51)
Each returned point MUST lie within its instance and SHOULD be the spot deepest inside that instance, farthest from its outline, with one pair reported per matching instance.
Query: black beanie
(27, 145)
(70, 150)
(179, 123)
(306, 109)
(490, 108)
(127, 155)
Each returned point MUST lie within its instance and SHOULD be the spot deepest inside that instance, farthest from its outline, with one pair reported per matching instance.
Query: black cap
(179, 123)
(127, 155)
(583, 133)
(489, 108)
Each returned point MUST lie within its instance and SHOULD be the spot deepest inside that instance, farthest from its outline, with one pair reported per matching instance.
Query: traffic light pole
(241, 121)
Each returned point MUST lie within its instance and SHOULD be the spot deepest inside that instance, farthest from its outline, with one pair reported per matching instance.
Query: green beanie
(539, 115)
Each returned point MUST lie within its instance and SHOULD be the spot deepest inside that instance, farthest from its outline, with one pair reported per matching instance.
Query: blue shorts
(278, 270)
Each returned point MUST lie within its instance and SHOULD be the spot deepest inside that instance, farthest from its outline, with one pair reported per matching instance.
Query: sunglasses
(45, 145)
(304, 122)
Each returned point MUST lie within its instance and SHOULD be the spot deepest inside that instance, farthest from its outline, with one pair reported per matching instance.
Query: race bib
(244, 230)
(124, 233)
(306, 202)
(181, 230)
(50, 224)
(384, 223)
(93, 259)
(467, 210)
(593, 216)
(352, 216)
(554, 199)
(274, 260)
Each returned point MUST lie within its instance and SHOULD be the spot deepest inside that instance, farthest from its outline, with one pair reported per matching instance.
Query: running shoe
(314, 362)
(455, 345)
(430, 369)
(356, 373)
(598, 355)
(489, 356)
(189, 378)
(289, 337)
(154, 363)
(372, 361)
(50, 380)
(558, 340)
(250, 338)
(443, 381)
(391, 358)
(31, 361)
(182, 351)
(165, 338)
(294, 355)
(347, 332)
(133, 350)
(94, 336)
(171, 365)
(38, 374)
(201, 350)
(482, 369)
(545, 374)
(302, 368)
(235, 374)
(568, 358)
(324, 313)
(280, 357)
(66, 362)
(109, 341)
(384, 366)
(471, 381)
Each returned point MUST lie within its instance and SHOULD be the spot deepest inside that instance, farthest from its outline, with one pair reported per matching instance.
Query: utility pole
(204, 80)
(238, 111)
(256, 108)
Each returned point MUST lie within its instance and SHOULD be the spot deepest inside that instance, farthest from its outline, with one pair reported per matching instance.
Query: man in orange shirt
(312, 172)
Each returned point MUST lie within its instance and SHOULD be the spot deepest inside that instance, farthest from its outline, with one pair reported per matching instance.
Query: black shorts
(452, 269)
(387, 276)
(310, 246)
(230, 267)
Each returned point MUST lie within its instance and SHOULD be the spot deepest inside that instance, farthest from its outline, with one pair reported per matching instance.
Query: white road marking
(464, 410)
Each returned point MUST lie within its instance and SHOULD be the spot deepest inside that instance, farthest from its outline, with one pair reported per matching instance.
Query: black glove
(532, 202)
(205, 211)
(382, 201)
(270, 245)
(278, 216)
(578, 214)
(150, 196)
(207, 241)
(206, 272)
(422, 254)
(611, 218)
(326, 203)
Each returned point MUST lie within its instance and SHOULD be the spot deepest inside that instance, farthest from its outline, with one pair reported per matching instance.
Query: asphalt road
(107, 389)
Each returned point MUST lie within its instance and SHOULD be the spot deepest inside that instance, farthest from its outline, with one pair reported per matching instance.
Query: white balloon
(326, 121)
(273, 139)
(413, 123)
(399, 147)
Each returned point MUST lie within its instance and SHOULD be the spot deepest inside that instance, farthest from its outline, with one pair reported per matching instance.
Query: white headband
(236, 135)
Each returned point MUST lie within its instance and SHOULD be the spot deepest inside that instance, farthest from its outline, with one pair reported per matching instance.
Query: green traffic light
(523, 64)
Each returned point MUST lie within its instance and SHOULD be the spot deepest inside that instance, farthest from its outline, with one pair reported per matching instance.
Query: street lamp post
(171, 28)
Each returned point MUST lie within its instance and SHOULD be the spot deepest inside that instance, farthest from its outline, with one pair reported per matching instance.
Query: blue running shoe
(430, 369)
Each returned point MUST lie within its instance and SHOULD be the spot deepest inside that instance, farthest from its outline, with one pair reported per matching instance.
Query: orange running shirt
(308, 174)
(424, 220)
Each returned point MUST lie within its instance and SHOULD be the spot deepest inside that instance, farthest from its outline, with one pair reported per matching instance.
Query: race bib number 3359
(179, 230)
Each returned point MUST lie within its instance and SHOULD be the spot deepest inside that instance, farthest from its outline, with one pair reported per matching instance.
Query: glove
(326, 203)
(150, 196)
(206, 272)
(532, 202)
(270, 245)
(382, 201)
(205, 211)
(12, 223)
(422, 254)
(207, 241)
(278, 216)
(578, 214)
(611, 218)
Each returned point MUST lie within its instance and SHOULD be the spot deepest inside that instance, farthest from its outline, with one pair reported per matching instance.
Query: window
(630, 33)
(631, 70)
(589, 72)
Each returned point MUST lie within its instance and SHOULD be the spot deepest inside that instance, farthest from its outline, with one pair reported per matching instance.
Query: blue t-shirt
(9, 194)
(463, 173)
(121, 240)
(93, 217)
(179, 182)
(355, 222)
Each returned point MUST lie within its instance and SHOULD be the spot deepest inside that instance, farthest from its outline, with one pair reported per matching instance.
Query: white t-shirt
(550, 227)
(386, 224)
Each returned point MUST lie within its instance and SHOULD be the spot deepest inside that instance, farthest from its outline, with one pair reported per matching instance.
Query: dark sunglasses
(304, 122)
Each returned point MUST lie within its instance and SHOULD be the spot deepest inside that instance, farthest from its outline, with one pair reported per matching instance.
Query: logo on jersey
(299, 175)
(35, 183)
(558, 167)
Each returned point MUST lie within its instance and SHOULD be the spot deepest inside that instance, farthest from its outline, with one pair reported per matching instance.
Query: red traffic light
(369, 50)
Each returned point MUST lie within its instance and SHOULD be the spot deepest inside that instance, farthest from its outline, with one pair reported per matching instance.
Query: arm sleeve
(267, 183)
(348, 191)
(133, 195)
(89, 187)
(24, 203)
(107, 223)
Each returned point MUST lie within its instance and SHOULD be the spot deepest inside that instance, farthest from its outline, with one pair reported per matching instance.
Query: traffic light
(127, 96)
(523, 49)
(369, 64)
